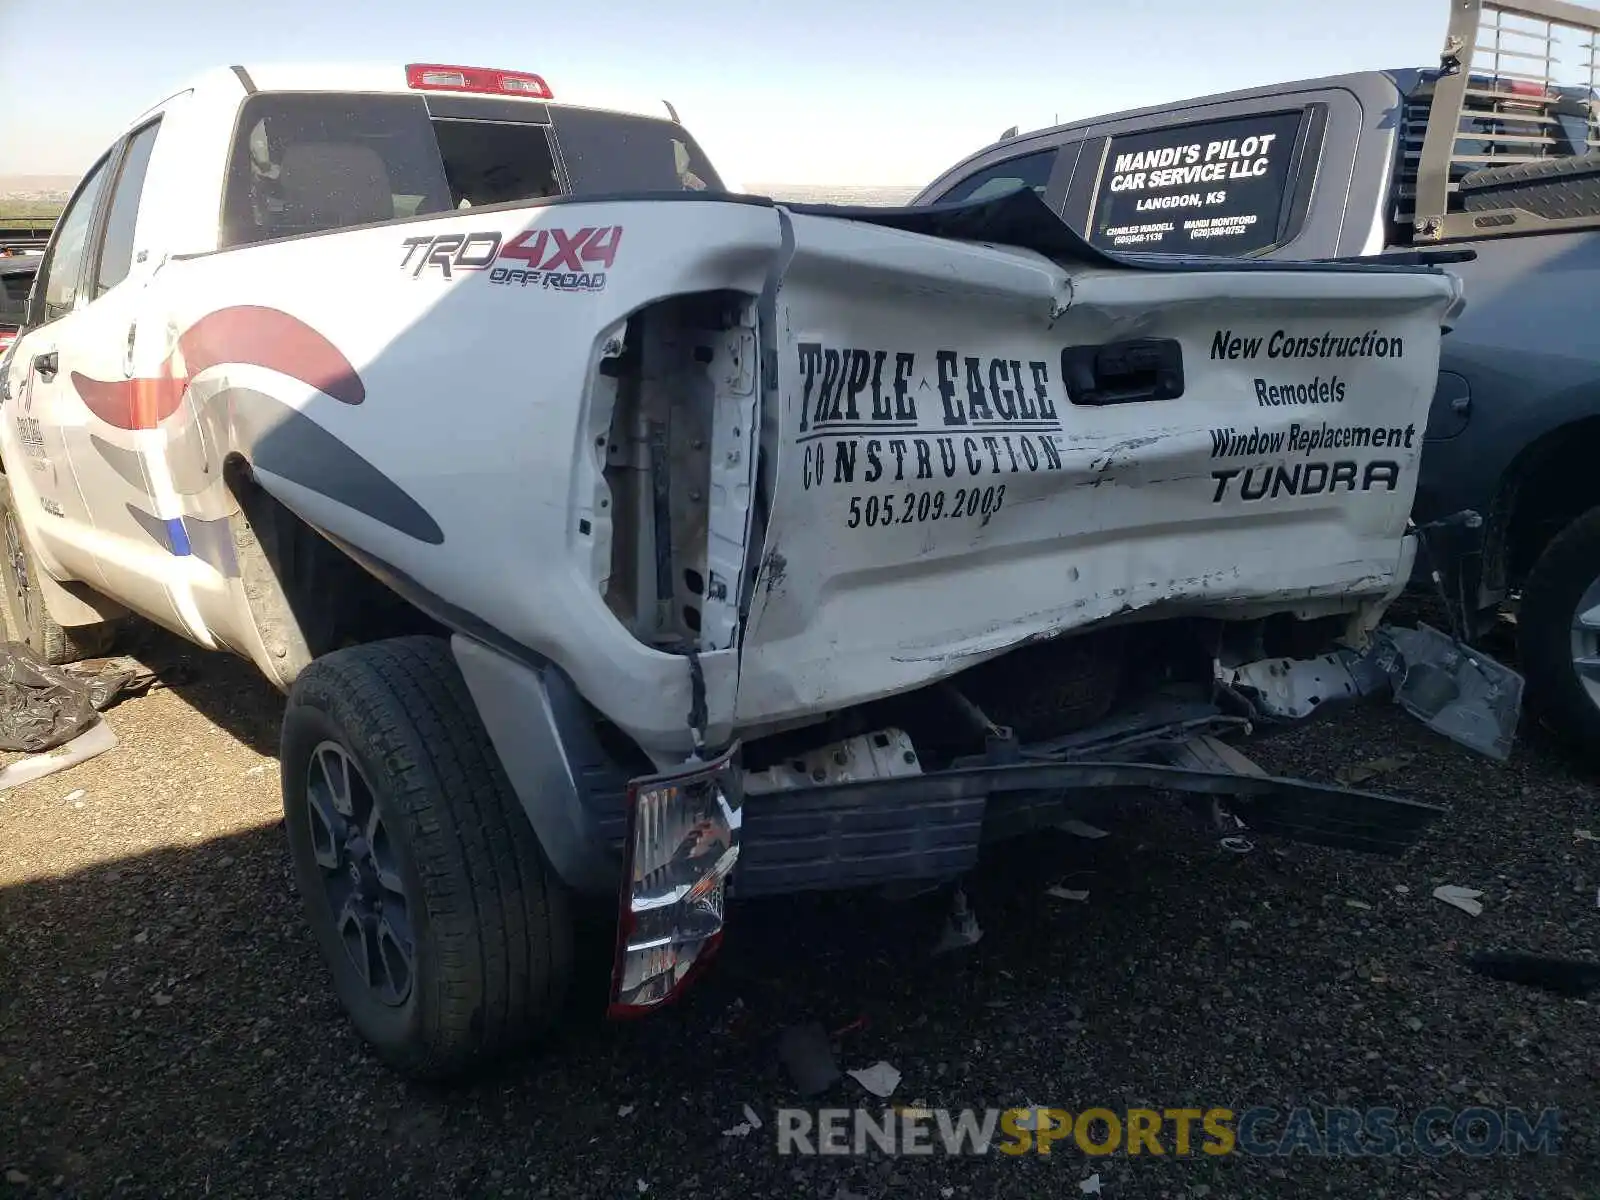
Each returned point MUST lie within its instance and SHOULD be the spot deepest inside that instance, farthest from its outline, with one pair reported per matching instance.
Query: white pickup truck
(611, 532)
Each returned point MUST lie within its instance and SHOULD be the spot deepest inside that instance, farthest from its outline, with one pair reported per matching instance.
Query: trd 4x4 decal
(551, 259)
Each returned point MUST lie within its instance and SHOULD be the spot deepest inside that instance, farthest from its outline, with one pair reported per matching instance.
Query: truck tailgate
(947, 485)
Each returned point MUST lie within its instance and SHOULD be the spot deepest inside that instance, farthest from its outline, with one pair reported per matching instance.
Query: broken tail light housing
(681, 844)
(436, 77)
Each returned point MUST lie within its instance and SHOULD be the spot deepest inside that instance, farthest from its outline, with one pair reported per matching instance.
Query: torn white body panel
(940, 497)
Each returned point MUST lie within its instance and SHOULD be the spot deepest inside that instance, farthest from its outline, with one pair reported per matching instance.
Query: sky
(817, 91)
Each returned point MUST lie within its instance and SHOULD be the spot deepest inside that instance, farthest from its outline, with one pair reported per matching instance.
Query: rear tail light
(434, 77)
(682, 842)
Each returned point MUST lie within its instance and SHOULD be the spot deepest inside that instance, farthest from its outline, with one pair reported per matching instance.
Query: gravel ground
(166, 1028)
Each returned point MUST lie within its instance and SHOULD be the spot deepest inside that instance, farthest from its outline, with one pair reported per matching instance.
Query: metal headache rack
(1506, 137)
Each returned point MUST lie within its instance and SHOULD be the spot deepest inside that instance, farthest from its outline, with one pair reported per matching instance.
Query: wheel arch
(1554, 479)
(306, 596)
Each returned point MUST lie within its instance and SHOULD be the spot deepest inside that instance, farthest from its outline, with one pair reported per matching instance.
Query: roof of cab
(391, 77)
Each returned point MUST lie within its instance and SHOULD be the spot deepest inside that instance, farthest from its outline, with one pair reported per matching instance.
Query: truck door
(117, 453)
(40, 408)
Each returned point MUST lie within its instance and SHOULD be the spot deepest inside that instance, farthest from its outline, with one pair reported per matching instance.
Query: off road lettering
(1304, 479)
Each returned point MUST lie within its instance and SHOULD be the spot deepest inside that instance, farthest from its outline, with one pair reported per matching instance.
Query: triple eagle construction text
(1000, 412)
(860, 423)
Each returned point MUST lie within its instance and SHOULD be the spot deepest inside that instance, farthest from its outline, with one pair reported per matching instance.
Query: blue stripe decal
(177, 537)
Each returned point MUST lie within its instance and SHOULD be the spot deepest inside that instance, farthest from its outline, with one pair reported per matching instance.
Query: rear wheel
(1559, 633)
(447, 934)
(27, 619)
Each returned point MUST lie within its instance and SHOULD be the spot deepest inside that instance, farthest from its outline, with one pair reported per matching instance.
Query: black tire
(1568, 567)
(1051, 689)
(27, 620)
(489, 920)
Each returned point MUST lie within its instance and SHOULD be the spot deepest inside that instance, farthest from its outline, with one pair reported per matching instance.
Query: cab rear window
(306, 162)
(609, 152)
(1218, 187)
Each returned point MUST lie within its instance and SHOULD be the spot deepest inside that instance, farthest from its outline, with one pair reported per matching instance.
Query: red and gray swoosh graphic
(245, 334)
(277, 437)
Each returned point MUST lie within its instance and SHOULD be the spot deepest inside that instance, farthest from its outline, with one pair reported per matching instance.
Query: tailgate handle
(1123, 372)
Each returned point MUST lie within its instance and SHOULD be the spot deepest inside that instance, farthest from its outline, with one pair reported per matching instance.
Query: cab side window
(997, 179)
(116, 252)
(61, 276)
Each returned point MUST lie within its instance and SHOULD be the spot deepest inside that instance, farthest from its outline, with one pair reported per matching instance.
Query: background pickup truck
(616, 535)
(16, 281)
(1494, 152)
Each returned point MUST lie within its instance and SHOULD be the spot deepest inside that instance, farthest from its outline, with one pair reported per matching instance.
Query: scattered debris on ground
(880, 1079)
(1194, 977)
(1468, 900)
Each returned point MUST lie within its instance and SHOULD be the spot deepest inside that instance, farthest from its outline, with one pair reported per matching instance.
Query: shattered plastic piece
(95, 740)
(805, 1052)
(1030, 1120)
(642, 1185)
(880, 1079)
(1082, 829)
(1061, 893)
(1362, 905)
(626, 1110)
(742, 1129)
(1237, 845)
(1354, 773)
(1296, 688)
(1466, 899)
(961, 929)
(1090, 1186)
(751, 1116)
(1585, 835)
(1456, 690)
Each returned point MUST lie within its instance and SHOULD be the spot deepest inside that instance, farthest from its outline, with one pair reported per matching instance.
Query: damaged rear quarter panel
(482, 409)
(939, 498)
